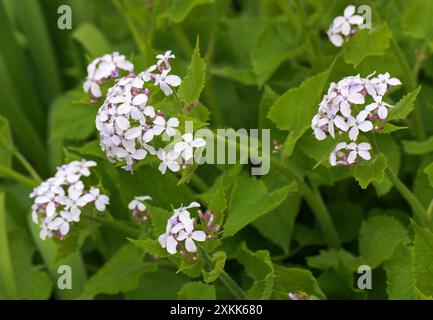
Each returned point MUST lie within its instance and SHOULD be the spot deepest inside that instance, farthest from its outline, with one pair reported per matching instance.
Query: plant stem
(27, 166)
(316, 204)
(12, 174)
(417, 208)
(228, 281)
(115, 224)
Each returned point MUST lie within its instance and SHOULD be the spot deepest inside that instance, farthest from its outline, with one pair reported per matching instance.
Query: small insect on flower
(138, 208)
(343, 28)
(104, 68)
(181, 231)
(58, 201)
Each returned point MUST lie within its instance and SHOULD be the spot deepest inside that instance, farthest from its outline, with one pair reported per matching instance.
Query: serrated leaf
(119, 274)
(197, 291)
(194, 81)
(294, 110)
(369, 171)
(367, 42)
(423, 260)
(158, 219)
(219, 258)
(399, 274)
(404, 106)
(418, 147)
(379, 237)
(151, 247)
(332, 258)
(250, 200)
(258, 266)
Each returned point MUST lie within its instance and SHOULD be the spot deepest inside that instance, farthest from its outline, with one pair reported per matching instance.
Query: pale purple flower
(185, 147)
(359, 124)
(356, 150)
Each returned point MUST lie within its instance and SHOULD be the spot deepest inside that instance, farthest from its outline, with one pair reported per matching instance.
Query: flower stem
(228, 281)
(12, 174)
(27, 166)
(417, 208)
(115, 224)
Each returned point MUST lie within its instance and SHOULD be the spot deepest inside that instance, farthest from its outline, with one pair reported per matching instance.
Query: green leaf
(178, 10)
(423, 260)
(250, 200)
(379, 237)
(6, 144)
(417, 20)
(367, 42)
(295, 280)
(119, 274)
(258, 266)
(294, 110)
(194, 81)
(418, 147)
(429, 171)
(158, 218)
(369, 171)
(151, 247)
(219, 258)
(197, 291)
(93, 40)
(242, 75)
(277, 43)
(332, 258)
(399, 274)
(404, 106)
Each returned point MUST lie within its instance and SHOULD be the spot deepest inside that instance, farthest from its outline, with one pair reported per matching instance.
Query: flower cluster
(343, 110)
(103, 68)
(58, 201)
(343, 28)
(138, 208)
(128, 124)
(180, 232)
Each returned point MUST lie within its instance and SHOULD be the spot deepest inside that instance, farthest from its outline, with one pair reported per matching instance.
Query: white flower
(169, 160)
(337, 155)
(137, 203)
(161, 125)
(58, 200)
(380, 106)
(164, 59)
(384, 82)
(185, 147)
(359, 123)
(343, 27)
(102, 68)
(166, 81)
(318, 124)
(180, 228)
(348, 95)
(356, 150)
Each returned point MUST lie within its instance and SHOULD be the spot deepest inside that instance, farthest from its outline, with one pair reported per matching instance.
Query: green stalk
(228, 281)
(115, 224)
(417, 208)
(12, 174)
(6, 267)
(27, 166)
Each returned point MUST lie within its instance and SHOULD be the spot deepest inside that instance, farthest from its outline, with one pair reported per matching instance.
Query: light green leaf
(91, 39)
(367, 42)
(219, 258)
(197, 291)
(250, 200)
(258, 266)
(378, 238)
(332, 258)
(151, 247)
(178, 10)
(277, 43)
(399, 274)
(294, 110)
(404, 106)
(242, 75)
(119, 274)
(194, 81)
(295, 280)
(158, 218)
(429, 171)
(369, 171)
(423, 260)
(418, 147)
(387, 145)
